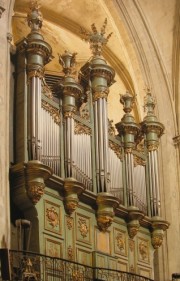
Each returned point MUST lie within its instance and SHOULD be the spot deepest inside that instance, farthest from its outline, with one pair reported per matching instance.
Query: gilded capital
(158, 228)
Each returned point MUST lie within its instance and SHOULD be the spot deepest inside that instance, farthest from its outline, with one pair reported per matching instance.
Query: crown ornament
(97, 40)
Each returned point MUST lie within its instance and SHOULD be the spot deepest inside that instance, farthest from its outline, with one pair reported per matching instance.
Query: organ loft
(85, 192)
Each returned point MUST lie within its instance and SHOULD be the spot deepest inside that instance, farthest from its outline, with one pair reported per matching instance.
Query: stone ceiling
(62, 23)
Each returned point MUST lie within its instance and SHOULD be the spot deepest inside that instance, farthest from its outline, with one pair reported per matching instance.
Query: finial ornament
(34, 17)
(67, 61)
(96, 39)
(128, 102)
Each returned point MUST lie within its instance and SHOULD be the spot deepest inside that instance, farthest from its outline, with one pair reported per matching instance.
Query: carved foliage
(54, 112)
(83, 228)
(80, 128)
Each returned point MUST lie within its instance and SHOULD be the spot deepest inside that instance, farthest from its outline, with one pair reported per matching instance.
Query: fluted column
(101, 77)
(38, 54)
(153, 130)
(128, 131)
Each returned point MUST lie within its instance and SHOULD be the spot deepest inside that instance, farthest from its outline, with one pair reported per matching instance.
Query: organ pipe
(128, 130)
(153, 130)
(38, 54)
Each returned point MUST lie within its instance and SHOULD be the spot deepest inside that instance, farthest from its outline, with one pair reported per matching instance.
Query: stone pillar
(5, 43)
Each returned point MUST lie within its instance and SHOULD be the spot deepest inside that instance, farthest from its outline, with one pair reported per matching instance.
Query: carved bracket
(134, 216)
(159, 226)
(72, 189)
(27, 182)
(106, 204)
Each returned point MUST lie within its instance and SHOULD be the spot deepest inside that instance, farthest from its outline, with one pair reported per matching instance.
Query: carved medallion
(52, 216)
(143, 250)
(120, 242)
(83, 228)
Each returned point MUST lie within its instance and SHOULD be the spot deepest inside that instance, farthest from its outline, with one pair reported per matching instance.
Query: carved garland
(116, 148)
(80, 129)
(54, 112)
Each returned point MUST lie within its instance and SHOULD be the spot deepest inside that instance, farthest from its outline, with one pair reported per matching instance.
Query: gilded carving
(39, 72)
(157, 239)
(52, 216)
(116, 148)
(133, 228)
(80, 128)
(143, 250)
(69, 223)
(46, 89)
(83, 228)
(132, 269)
(131, 245)
(35, 191)
(120, 241)
(54, 112)
(152, 147)
(70, 205)
(70, 253)
(68, 114)
(77, 275)
(100, 95)
(104, 221)
(111, 128)
(138, 161)
(84, 111)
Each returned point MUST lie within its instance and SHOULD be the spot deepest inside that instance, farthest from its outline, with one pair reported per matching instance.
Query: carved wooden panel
(143, 250)
(146, 272)
(83, 228)
(102, 241)
(120, 241)
(122, 265)
(53, 247)
(52, 216)
(84, 256)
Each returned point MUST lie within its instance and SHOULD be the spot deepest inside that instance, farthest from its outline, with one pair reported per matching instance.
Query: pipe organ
(63, 133)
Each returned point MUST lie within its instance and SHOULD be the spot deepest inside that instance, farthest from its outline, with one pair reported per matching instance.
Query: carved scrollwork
(54, 112)
(80, 128)
(138, 161)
